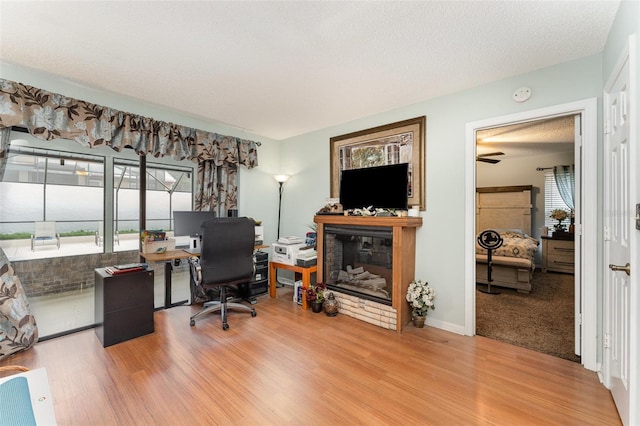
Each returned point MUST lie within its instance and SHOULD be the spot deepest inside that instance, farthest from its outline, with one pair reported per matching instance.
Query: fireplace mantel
(404, 253)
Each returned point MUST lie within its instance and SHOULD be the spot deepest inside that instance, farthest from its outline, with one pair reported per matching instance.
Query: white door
(620, 238)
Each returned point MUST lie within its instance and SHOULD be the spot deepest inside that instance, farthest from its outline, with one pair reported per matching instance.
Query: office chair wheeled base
(216, 306)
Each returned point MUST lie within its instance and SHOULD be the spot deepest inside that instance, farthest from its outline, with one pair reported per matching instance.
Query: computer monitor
(189, 224)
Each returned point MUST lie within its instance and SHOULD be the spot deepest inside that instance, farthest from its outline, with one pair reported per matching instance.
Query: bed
(507, 210)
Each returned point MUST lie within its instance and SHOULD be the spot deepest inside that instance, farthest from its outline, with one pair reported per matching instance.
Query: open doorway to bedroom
(525, 291)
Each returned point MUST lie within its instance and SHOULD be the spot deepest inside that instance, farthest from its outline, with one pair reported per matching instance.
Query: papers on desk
(290, 240)
(25, 399)
(123, 269)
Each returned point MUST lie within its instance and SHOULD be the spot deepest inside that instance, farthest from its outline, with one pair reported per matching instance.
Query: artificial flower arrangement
(315, 293)
(420, 297)
(559, 215)
(371, 211)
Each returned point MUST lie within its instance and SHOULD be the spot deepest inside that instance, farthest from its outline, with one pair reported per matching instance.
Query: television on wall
(378, 187)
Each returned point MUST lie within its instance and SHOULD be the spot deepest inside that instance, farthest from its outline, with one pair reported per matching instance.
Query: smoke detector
(522, 94)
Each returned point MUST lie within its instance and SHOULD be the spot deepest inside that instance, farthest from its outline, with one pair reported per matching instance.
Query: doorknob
(626, 268)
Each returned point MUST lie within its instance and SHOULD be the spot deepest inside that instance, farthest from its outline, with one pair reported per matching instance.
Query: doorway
(533, 297)
(586, 156)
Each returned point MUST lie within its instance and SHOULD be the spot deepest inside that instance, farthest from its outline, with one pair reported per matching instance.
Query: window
(93, 195)
(67, 185)
(552, 199)
(169, 188)
(47, 185)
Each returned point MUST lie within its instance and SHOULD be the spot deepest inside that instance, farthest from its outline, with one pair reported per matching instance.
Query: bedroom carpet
(542, 321)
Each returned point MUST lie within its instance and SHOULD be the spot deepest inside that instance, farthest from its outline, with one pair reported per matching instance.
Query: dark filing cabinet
(123, 305)
(260, 283)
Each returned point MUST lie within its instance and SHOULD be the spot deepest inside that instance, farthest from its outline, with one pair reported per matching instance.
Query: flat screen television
(380, 187)
(188, 223)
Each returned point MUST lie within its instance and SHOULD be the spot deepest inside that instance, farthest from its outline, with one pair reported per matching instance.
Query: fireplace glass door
(358, 260)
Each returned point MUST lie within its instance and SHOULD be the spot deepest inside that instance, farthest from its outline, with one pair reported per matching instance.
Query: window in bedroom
(552, 200)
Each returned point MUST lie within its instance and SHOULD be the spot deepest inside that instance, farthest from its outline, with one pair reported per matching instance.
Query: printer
(285, 253)
(307, 256)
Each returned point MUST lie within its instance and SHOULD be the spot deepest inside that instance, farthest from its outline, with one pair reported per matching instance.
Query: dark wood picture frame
(400, 142)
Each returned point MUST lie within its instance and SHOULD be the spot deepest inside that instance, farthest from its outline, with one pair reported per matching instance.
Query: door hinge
(606, 130)
(607, 234)
(579, 318)
(606, 341)
(577, 229)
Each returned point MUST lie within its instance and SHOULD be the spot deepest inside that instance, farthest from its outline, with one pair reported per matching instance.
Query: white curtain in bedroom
(565, 181)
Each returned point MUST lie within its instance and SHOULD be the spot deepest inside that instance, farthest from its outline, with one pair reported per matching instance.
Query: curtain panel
(565, 181)
(49, 116)
(217, 188)
(5, 135)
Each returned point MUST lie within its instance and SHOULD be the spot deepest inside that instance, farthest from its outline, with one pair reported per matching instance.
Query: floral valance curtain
(49, 116)
(566, 182)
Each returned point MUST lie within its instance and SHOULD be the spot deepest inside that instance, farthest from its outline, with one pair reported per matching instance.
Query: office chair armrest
(196, 270)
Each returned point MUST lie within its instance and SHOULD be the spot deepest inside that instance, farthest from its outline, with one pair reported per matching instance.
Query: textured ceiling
(553, 135)
(280, 69)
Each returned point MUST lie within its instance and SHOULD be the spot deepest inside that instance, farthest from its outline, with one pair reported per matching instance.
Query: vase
(316, 307)
(331, 305)
(418, 321)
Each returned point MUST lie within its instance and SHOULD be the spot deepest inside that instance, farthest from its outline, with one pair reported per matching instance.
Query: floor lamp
(281, 179)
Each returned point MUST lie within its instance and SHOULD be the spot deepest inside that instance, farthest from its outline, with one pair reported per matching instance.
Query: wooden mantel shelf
(339, 219)
(404, 253)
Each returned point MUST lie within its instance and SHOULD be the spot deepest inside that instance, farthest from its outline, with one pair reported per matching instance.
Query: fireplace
(368, 262)
(358, 260)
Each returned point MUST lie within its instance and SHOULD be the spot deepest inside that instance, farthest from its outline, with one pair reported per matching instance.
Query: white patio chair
(45, 233)
(100, 235)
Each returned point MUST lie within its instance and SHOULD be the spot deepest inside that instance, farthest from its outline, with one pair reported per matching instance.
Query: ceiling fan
(484, 159)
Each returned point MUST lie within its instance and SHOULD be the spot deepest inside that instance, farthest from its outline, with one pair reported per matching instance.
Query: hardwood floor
(289, 366)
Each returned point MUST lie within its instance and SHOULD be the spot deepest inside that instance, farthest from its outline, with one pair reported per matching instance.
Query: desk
(306, 277)
(168, 257)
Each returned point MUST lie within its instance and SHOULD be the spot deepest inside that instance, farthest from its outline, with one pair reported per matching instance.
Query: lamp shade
(281, 178)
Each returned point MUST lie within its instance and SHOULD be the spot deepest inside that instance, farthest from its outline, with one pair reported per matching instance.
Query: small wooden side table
(306, 277)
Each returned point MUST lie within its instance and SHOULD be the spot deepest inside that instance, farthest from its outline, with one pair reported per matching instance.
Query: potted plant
(420, 297)
(315, 296)
(559, 215)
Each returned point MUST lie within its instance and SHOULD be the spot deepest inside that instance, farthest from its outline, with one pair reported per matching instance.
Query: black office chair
(226, 260)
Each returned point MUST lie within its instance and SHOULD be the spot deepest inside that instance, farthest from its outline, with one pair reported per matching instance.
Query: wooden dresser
(558, 255)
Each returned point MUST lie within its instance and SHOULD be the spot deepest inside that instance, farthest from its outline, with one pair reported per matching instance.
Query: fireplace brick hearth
(367, 310)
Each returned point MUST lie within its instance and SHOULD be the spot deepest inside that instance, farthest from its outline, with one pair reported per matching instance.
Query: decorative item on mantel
(420, 297)
(315, 296)
(331, 305)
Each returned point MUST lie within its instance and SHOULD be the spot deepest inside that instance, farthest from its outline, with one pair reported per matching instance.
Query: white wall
(440, 246)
